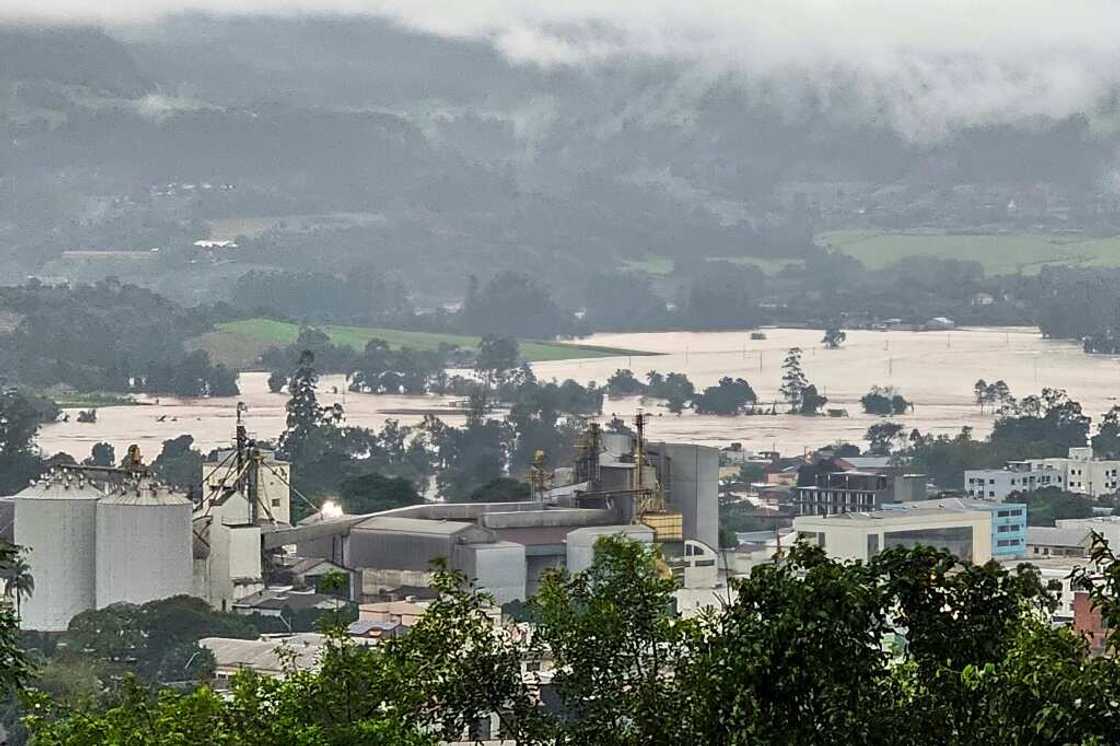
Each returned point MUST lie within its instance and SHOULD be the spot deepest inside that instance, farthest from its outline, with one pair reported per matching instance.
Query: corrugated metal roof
(413, 525)
(262, 655)
(1053, 536)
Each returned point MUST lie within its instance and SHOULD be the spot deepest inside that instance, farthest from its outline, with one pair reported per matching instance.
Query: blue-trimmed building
(1009, 529)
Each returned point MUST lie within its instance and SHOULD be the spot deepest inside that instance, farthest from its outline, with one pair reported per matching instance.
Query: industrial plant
(103, 535)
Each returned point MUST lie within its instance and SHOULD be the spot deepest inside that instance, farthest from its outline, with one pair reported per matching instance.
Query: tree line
(912, 647)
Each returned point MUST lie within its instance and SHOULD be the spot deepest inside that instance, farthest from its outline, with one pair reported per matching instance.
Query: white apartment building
(960, 526)
(1079, 472)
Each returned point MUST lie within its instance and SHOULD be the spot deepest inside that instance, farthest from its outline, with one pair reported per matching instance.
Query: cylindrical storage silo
(143, 544)
(55, 521)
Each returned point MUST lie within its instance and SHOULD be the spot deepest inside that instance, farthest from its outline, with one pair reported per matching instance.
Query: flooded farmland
(936, 370)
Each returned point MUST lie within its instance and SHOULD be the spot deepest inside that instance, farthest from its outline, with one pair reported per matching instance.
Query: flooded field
(936, 370)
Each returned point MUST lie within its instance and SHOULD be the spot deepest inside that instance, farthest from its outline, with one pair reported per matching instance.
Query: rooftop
(413, 525)
(1054, 536)
(279, 598)
(866, 462)
(899, 511)
(265, 656)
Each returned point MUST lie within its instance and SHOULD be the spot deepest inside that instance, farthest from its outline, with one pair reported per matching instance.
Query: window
(991, 493)
(991, 481)
(1005, 529)
(872, 545)
(956, 540)
(276, 502)
(1004, 513)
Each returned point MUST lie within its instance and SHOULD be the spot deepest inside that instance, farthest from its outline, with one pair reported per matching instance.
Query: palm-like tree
(18, 581)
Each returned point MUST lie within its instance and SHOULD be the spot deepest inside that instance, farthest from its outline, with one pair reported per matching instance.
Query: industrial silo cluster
(93, 543)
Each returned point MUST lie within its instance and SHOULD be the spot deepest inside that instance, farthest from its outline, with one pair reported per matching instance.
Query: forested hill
(323, 144)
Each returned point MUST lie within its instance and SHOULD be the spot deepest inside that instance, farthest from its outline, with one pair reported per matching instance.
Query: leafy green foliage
(502, 489)
(885, 401)
(369, 493)
(147, 639)
(674, 388)
(911, 648)
(512, 304)
(382, 370)
(614, 638)
(1052, 422)
(19, 424)
(107, 337)
(882, 436)
(803, 397)
(728, 397)
(1047, 505)
(179, 464)
(623, 383)
(833, 338)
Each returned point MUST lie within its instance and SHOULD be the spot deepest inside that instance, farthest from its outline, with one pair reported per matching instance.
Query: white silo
(143, 543)
(55, 519)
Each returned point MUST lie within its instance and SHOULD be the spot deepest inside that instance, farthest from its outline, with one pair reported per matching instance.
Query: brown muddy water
(936, 370)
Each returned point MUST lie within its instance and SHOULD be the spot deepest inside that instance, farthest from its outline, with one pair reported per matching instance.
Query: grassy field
(227, 229)
(662, 266)
(1005, 253)
(768, 265)
(652, 265)
(239, 343)
(86, 400)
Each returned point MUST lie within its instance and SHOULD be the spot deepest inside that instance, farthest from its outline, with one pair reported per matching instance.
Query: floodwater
(936, 370)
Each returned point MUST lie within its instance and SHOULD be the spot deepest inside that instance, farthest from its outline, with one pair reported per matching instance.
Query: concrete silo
(143, 543)
(55, 519)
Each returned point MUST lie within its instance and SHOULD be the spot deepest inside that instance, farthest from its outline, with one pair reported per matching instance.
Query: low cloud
(923, 66)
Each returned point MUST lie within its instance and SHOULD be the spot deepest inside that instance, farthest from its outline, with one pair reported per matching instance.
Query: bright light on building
(331, 509)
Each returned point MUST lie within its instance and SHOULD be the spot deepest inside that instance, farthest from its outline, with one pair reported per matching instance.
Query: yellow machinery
(649, 509)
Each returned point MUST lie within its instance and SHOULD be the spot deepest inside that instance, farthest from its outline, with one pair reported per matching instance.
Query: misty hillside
(435, 158)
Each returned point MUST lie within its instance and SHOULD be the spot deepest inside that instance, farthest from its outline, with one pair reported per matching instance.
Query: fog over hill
(534, 137)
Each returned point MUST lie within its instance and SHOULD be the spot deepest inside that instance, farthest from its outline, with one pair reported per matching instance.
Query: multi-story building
(836, 492)
(1078, 472)
(971, 530)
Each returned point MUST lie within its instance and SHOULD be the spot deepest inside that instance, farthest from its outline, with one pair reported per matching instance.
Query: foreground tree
(912, 647)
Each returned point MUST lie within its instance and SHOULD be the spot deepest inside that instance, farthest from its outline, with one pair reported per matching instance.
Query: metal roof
(1054, 536)
(144, 493)
(866, 462)
(413, 525)
(264, 655)
(536, 535)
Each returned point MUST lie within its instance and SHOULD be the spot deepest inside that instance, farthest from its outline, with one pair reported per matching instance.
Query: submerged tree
(833, 338)
(794, 382)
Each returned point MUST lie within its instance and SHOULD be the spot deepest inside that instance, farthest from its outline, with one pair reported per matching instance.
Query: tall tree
(18, 581)
(794, 382)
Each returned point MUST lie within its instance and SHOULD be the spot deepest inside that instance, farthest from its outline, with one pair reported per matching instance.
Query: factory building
(620, 485)
(99, 536)
(965, 528)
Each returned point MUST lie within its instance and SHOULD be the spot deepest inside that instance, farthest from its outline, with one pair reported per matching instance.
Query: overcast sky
(930, 62)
